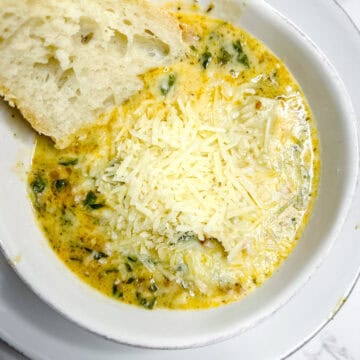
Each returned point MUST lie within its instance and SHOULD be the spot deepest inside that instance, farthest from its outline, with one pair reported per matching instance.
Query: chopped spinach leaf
(112, 270)
(90, 198)
(182, 268)
(166, 86)
(38, 184)
(114, 289)
(130, 280)
(206, 58)
(132, 258)
(61, 184)
(242, 58)
(128, 267)
(187, 236)
(74, 258)
(147, 303)
(91, 201)
(153, 287)
(99, 255)
(224, 56)
(238, 47)
(96, 206)
(68, 161)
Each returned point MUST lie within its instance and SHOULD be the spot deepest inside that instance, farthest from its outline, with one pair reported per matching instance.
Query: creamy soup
(192, 193)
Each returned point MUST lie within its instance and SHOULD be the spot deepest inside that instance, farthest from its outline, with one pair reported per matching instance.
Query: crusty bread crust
(64, 64)
(40, 125)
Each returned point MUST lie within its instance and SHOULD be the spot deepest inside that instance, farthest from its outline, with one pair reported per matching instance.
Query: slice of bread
(65, 63)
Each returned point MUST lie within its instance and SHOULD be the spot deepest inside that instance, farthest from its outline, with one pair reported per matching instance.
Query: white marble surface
(340, 339)
(353, 9)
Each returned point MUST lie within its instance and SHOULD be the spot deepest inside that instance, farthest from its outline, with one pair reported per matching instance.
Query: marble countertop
(339, 340)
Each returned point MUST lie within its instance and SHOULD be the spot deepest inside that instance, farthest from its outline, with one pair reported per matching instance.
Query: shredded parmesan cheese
(196, 189)
(218, 165)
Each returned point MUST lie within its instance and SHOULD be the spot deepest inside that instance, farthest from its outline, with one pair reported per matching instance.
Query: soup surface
(195, 190)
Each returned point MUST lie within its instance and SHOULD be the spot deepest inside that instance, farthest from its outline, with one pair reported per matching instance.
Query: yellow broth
(74, 214)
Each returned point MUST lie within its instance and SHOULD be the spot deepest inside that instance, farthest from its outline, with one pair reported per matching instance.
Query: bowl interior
(28, 251)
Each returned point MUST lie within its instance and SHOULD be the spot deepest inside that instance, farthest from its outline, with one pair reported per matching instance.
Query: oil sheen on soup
(192, 193)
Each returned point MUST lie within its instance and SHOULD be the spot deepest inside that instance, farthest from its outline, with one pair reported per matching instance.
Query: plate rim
(58, 310)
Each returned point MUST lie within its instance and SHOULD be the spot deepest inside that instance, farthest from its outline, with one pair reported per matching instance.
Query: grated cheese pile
(192, 192)
(216, 163)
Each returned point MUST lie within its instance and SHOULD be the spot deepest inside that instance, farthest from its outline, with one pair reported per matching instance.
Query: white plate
(42, 326)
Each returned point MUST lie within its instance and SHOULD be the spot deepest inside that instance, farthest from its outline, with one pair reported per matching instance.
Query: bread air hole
(119, 42)
(88, 29)
(67, 76)
(73, 99)
(147, 31)
(51, 71)
(43, 72)
(86, 38)
(10, 25)
(150, 46)
(109, 101)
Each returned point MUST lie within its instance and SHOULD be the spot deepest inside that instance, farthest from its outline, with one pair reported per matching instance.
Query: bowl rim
(345, 99)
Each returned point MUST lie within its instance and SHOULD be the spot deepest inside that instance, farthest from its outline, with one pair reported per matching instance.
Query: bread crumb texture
(67, 64)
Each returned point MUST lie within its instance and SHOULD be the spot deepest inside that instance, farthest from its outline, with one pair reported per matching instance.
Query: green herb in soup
(197, 188)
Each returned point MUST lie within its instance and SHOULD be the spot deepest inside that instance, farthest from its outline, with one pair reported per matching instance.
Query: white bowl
(27, 250)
